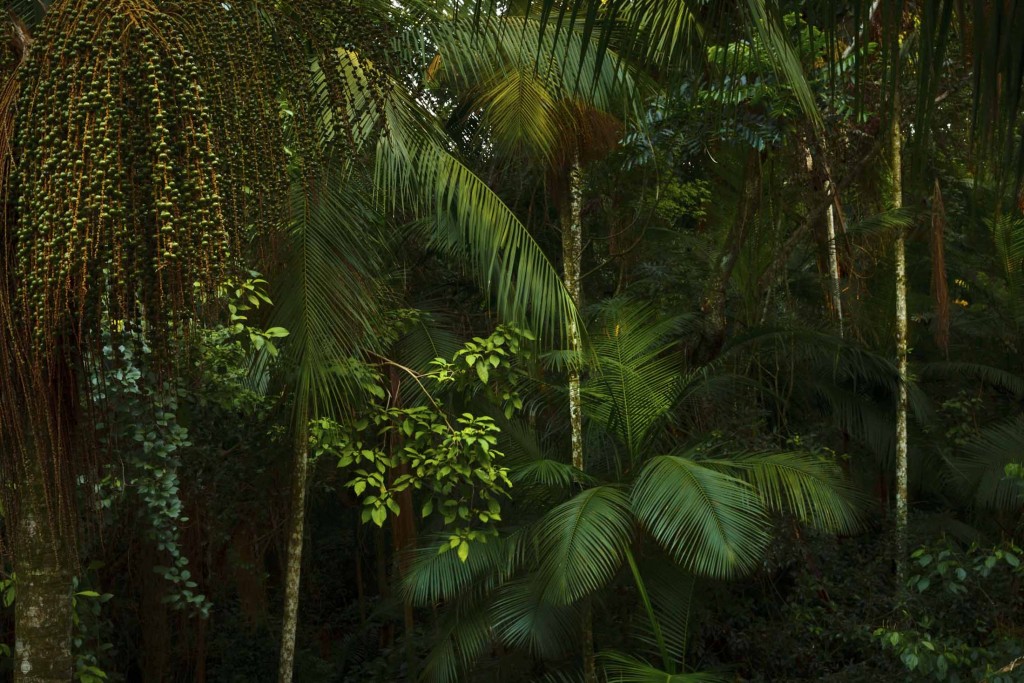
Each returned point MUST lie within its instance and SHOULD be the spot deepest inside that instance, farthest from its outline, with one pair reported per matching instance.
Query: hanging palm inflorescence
(143, 155)
(148, 155)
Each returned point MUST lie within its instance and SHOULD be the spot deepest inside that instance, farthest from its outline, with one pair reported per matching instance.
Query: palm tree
(652, 511)
(336, 245)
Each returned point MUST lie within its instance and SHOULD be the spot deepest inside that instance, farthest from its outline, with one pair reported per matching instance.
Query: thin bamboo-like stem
(293, 571)
(896, 202)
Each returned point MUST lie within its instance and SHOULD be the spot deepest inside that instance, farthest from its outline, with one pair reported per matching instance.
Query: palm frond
(986, 374)
(461, 638)
(557, 56)
(784, 59)
(622, 668)
(710, 522)
(984, 467)
(434, 577)
(332, 299)
(805, 485)
(524, 619)
(582, 543)
(635, 379)
(416, 171)
(661, 33)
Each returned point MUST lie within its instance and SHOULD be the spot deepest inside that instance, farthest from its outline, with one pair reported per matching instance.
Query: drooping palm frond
(433, 577)
(784, 59)
(805, 485)
(416, 171)
(672, 590)
(333, 298)
(529, 78)
(461, 638)
(549, 473)
(523, 618)
(661, 33)
(582, 543)
(622, 668)
(983, 469)
(1008, 236)
(711, 523)
(986, 374)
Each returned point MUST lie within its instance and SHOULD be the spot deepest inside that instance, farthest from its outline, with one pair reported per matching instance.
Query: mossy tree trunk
(42, 608)
(572, 255)
(296, 532)
(895, 201)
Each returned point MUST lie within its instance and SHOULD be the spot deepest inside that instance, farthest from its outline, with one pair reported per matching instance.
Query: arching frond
(416, 171)
(802, 484)
(332, 298)
(986, 374)
(582, 543)
(984, 468)
(474, 53)
(523, 618)
(659, 32)
(622, 668)
(710, 522)
(460, 640)
(635, 379)
(434, 577)
(521, 112)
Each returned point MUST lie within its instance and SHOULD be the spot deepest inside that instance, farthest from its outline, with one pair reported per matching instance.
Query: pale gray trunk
(833, 265)
(572, 248)
(835, 289)
(42, 607)
(896, 202)
(296, 532)
(572, 254)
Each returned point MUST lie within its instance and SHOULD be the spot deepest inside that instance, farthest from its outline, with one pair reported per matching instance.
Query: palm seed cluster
(154, 141)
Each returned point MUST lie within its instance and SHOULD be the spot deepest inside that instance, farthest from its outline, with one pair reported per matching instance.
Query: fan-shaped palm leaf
(710, 522)
(582, 543)
(805, 485)
(622, 668)
(984, 467)
(523, 618)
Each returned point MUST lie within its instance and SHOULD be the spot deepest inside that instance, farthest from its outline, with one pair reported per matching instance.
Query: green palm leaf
(805, 485)
(582, 543)
(524, 619)
(622, 668)
(984, 466)
(332, 299)
(710, 522)
(635, 378)
(416, 171)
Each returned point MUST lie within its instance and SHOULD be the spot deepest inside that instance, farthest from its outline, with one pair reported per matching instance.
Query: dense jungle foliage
(512, 340)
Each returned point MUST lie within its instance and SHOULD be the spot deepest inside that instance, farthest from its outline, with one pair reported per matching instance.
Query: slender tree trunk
(572, 255)
(42, 608)
(896, 202)
(572, 252)
(833, 266)
(296, 532)
(835, 290)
